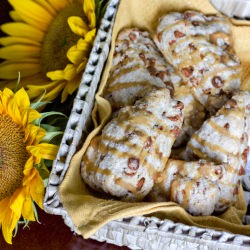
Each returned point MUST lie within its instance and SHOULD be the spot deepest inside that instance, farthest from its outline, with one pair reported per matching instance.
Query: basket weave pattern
(79, 120)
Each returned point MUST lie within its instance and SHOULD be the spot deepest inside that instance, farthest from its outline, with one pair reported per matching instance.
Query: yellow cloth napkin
(88, 210)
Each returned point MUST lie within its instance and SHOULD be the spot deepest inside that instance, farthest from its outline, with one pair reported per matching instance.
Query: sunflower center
(59, 38)
(13, 156)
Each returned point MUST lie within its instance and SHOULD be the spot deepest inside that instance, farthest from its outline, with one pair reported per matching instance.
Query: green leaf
(35, 212)
(43, 170)
(50, 136)
(39, 103)
(45, 182)
(18, 82)
(50, 128)
(100, 10)
(46, 115)
(104, 9)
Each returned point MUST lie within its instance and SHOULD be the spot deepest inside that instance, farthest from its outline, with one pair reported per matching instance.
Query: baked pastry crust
(137, 66)
(201, 187)
(224, 136)
(200, 49)
(132, 150)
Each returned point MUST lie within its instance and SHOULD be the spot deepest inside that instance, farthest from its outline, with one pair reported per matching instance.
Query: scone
(198, 197)
(126, 158)
(137, 65)
(224, 136)
(214, 177)
(175, 25)
(200, 50)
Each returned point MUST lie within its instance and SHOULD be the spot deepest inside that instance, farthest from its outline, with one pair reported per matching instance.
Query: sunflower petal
(14, 112)
(82, 66)
(23, 30)
(13, 214)
(87, 41)
(67, 74)
(70, 72)
(19, 51)
(27, 169)
(65, 94)
(76, 56)
(37, 189)
(23, 60)
(53, 93)
(24, 120)
(33, 134)
(15, 17)
(51, 89)
(43, 151)
(3, 208)
(58, 4)
(38, 17)
(27, 210)
(78, 26)
(10, 40)
(73, 85)
(7, 94)
(10, 70)
(90, 36)
(33, 115)
(55, 75)
(89, 10)
(9, 222)
(21, 98)
(47, 6)
(17, 200)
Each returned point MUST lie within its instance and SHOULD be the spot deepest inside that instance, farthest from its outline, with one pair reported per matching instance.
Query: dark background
(51, 233)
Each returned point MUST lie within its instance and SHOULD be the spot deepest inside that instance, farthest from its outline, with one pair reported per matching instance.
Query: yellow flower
(48, 43)
(21, 149)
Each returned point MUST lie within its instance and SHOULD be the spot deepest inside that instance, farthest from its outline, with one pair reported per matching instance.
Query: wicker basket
(79, 121)
(233, 8)
(136, 232)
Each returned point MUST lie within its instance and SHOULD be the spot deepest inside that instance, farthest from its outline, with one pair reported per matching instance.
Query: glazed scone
(222, 176)
(198, 197)
(137, 65)
(134, 147)
(209, 68)
(193, 23)
(223, 137)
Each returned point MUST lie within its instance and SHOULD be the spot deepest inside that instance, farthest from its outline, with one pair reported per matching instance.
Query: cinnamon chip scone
(134, 147)
(198, 197)
(137, 65)
(200, 50)
(224, 137)
(191, 184)
(193, 23)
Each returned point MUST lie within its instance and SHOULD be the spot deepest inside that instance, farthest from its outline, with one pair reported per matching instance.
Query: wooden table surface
(51, 233)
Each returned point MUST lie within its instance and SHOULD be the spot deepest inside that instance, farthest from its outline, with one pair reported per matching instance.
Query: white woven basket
(136, 232)
(79, 120)
(233, 8)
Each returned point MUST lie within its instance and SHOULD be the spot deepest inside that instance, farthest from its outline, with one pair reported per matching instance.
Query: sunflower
(22, 153)
(48, 43)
